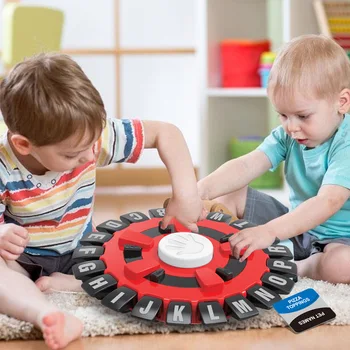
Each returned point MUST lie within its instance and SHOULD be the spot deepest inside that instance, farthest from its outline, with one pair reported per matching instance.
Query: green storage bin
(241, 146)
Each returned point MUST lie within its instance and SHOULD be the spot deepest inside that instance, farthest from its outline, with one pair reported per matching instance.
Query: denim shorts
(39, 265)
(261, 208)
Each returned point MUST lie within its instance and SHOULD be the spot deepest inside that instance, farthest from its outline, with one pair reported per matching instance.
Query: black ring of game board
(119, 265)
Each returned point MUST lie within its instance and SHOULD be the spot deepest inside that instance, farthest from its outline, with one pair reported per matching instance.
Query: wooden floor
(322, 337)
(110, 207)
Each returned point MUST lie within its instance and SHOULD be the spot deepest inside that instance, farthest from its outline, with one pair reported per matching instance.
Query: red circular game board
(120, 265)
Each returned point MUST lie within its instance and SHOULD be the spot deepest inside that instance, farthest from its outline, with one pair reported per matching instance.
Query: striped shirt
(56, 208)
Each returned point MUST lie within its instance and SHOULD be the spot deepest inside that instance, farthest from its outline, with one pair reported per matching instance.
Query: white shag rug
(101, 321)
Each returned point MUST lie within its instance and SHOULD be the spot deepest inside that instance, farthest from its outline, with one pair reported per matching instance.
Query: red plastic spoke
(209, 280)
(140, 268)
(135, 238)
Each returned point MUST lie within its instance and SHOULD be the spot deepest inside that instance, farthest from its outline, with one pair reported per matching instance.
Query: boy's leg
(235, 201)
(58, 281)
(57, 272)
(253, 205)
(20, 298)
(332, 265)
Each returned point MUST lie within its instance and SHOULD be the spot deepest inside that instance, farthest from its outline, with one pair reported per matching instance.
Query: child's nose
(293, 126)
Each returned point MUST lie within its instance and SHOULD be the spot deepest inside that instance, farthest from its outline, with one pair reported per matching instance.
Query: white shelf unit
(236, 92)
(239, 112)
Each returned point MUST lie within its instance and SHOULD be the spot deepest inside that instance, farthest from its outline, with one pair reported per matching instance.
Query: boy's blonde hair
(314, 65)
(48, 98)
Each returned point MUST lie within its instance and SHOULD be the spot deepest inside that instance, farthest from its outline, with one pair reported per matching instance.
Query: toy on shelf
(240, 62)
(266, 60)
(334, 20)
(179, 277)
(243, 145)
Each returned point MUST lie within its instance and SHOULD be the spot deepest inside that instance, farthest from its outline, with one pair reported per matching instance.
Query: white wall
(1, 65)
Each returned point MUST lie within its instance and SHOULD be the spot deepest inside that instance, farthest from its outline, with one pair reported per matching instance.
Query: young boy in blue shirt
(309, 88)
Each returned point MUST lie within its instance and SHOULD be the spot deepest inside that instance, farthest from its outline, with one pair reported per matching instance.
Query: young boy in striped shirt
(58, 134)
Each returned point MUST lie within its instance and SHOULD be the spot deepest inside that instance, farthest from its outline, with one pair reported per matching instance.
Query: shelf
(236, 92)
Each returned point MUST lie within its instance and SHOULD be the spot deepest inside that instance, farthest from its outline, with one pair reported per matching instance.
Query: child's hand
(187, 210)
(253, 238)
(13, 240)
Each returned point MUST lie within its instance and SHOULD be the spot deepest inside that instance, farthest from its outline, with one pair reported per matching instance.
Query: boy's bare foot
(300, 268)
(59, 329)
(58, 282)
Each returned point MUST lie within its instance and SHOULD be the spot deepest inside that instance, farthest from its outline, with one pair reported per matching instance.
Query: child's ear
(344, 101)
(21, 143)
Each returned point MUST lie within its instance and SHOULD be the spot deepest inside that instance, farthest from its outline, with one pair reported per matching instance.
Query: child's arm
(185, 203)
(305, 217)
(234, 174)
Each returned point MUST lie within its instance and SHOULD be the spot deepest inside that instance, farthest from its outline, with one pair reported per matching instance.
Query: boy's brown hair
(48, 98)
(314, 65)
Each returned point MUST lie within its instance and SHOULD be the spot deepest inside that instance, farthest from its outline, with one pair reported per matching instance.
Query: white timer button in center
(185, 249)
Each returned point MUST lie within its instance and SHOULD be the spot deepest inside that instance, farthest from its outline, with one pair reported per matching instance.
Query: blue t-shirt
(306, 170)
